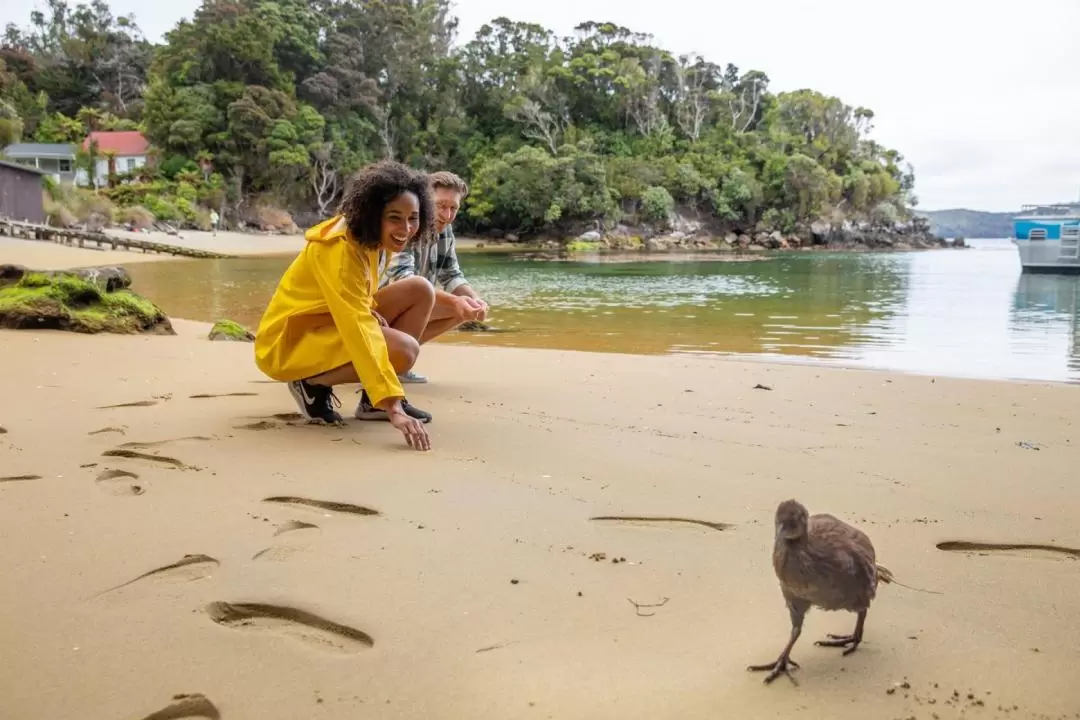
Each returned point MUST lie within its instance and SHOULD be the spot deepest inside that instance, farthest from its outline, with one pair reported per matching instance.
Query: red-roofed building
(129, 149)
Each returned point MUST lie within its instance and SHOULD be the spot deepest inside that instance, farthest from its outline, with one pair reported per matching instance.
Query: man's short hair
(450, 181)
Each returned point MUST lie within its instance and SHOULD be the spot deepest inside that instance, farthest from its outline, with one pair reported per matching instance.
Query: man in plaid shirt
(455, 300)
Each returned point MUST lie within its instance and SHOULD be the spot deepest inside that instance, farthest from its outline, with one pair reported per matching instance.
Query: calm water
(964, 313)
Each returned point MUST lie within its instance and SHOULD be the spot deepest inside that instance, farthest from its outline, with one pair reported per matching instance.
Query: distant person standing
(214, 220)
(436, 259)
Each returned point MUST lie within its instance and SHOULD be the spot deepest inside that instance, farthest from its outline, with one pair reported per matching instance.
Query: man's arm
(453, 281)
(450, 276)
(465, 290)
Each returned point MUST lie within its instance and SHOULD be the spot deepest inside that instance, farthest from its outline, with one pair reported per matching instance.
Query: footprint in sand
(260, 425)
(271, 422)
(194, 705)
(18, 478)
(299, 624)
(186, 569)
(641, 519)
(325, 505)
(156, 459)
(3, 430)
(983, 548)
(159, 443)
(203, 396)
(287, 546)
(293, 526)
(119, 482)
(104, 430)
(139, 403)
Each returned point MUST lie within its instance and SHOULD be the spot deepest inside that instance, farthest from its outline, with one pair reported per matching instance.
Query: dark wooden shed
(20, 193)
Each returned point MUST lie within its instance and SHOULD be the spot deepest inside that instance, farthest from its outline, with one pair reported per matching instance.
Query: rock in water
(229, 330)
(87, 300)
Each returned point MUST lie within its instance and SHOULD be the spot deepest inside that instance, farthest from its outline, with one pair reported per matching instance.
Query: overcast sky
(982, 96)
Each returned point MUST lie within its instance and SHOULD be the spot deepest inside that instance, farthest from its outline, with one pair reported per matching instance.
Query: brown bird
(821, 561)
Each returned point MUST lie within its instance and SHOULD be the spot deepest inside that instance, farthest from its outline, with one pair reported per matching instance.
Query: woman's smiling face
(400, 221)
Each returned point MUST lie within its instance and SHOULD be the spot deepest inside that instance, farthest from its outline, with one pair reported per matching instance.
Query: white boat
(1048, 238)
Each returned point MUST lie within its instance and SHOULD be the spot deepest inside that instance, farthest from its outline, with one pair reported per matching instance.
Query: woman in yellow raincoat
(328, 323)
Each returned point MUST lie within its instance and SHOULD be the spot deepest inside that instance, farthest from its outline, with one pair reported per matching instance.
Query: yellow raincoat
(320, 317)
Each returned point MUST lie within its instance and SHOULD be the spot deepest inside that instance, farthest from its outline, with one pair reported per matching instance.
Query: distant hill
(969, 223)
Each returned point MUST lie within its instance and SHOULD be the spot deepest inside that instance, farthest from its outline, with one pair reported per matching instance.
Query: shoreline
(252, 244)
(482, 559)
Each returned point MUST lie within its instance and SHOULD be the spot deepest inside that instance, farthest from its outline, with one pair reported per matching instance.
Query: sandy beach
(53, 256)
(176, 530)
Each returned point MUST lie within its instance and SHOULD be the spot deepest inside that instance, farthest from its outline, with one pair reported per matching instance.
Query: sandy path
(275, 621)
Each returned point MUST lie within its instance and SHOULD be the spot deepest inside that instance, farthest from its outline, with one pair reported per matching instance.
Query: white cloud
(980, 96)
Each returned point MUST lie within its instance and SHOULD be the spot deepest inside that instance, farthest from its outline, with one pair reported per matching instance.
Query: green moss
(68, 302)
(229, 330)
(582, 246)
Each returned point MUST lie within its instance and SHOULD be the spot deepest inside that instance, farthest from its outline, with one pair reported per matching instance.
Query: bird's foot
(841, 641)
(781, 666)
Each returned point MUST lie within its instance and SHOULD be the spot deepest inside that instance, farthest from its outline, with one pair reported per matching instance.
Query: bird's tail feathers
(886, 576)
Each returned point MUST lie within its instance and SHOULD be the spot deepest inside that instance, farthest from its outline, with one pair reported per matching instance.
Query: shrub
(657, 204)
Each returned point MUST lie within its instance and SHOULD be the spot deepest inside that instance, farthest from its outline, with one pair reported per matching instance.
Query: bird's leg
(783, 664)
(844, 640)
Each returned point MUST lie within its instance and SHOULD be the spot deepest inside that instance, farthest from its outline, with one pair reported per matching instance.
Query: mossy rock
(583, 246)
(90, 300)
(229, 330)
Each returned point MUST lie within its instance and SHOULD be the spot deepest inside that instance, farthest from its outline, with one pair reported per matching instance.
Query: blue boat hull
(1022, 228)
(1048, 244)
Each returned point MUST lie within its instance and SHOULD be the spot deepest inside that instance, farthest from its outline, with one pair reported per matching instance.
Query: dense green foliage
(278, 100)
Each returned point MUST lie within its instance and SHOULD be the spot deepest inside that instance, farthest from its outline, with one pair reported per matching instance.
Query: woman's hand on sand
(414, 431)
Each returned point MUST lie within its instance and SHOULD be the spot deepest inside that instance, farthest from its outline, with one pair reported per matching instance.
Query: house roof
(24, 168)
(40, 150)
(121, 142)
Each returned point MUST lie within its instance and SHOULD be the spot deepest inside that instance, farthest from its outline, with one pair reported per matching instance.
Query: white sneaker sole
(371, 415)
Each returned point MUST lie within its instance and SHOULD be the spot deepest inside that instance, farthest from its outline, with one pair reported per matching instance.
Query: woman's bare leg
(406, 305)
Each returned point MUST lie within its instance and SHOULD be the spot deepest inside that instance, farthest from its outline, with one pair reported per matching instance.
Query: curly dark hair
(372, 188)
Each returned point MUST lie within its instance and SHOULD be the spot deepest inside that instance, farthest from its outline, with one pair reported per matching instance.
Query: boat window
(1037, 234)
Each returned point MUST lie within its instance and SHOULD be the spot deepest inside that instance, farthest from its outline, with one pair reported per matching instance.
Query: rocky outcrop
(88, 300)
(686, 234)
(227, 330)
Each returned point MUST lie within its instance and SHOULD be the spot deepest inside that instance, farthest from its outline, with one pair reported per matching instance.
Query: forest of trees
(272, 103)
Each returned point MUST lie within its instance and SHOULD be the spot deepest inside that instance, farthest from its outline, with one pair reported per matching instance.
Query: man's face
(447, 203)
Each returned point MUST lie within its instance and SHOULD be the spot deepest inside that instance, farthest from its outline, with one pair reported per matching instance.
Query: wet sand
(171, 529)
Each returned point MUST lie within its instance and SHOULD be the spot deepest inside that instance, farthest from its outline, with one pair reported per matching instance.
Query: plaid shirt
(437, 262)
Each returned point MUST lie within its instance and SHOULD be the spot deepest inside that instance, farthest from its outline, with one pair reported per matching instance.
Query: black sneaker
(316, 402)
(366, 411)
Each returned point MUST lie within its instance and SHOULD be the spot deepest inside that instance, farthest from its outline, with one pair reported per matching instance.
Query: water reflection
(1045, 319)
(967, 313)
